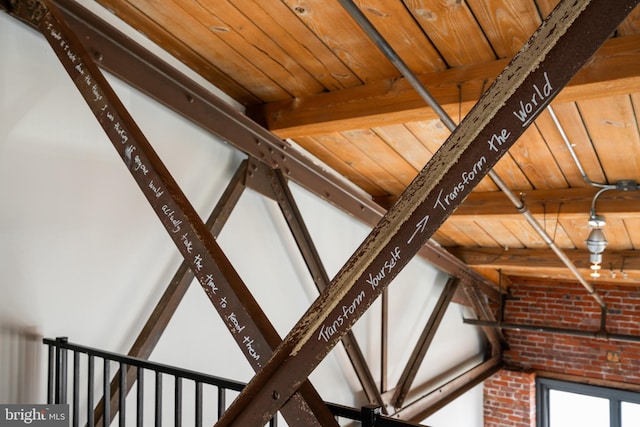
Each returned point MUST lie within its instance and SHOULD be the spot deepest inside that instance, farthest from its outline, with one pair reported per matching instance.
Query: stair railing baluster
(198, 404)
(76, 389)
(122, 397)
(56, 388)
(106, 384)
(177, 408)
(140, 398)
(158, 420)
(90, 385)
(222, 400)
(51, 375)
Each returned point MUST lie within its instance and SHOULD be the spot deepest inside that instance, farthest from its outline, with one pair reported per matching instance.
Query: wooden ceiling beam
(608, 277)
(614, 70)
(541, 258)
(569, 202)
(618, 267)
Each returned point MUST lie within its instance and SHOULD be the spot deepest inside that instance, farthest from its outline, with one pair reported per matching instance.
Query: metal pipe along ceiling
(621, 185)
(601, 333)
(565, 138)
(384, 46)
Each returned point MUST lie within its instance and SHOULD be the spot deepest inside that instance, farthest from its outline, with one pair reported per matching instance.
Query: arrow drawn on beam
(419, 227)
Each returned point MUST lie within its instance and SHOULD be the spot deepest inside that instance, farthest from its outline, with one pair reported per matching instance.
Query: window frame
(615, 396)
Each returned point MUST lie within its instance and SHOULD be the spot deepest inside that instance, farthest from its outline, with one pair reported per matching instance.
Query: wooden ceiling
(305, 70)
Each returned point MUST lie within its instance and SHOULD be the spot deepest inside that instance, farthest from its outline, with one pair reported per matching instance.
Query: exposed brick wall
(507, 397)
(561, 305)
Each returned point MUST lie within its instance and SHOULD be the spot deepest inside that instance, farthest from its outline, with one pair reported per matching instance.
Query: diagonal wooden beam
(245, 320)
(168, 304)
(273, 184)
(421, 347)
(483, 311)
(440, 397)
(563, 44)
(614, 70)
(166, 307)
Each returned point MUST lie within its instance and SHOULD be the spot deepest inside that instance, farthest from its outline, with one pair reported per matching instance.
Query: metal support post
(61, 372)
(369, 415)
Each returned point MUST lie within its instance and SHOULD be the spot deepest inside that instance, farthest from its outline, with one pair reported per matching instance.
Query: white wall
(83, 255)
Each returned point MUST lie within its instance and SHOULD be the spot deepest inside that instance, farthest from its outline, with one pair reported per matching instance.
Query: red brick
(569, 306)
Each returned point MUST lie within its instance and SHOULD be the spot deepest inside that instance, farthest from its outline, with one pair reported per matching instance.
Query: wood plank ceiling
(306, 71)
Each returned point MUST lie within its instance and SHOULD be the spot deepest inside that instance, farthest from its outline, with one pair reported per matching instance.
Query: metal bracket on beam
(259, 178)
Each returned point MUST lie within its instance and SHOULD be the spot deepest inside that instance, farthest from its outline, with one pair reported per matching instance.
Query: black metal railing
(86, 384)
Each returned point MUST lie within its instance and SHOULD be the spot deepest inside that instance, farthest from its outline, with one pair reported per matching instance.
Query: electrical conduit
(384, 46)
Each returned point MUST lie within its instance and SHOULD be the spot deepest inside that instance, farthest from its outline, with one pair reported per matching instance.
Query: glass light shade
(596, 242)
